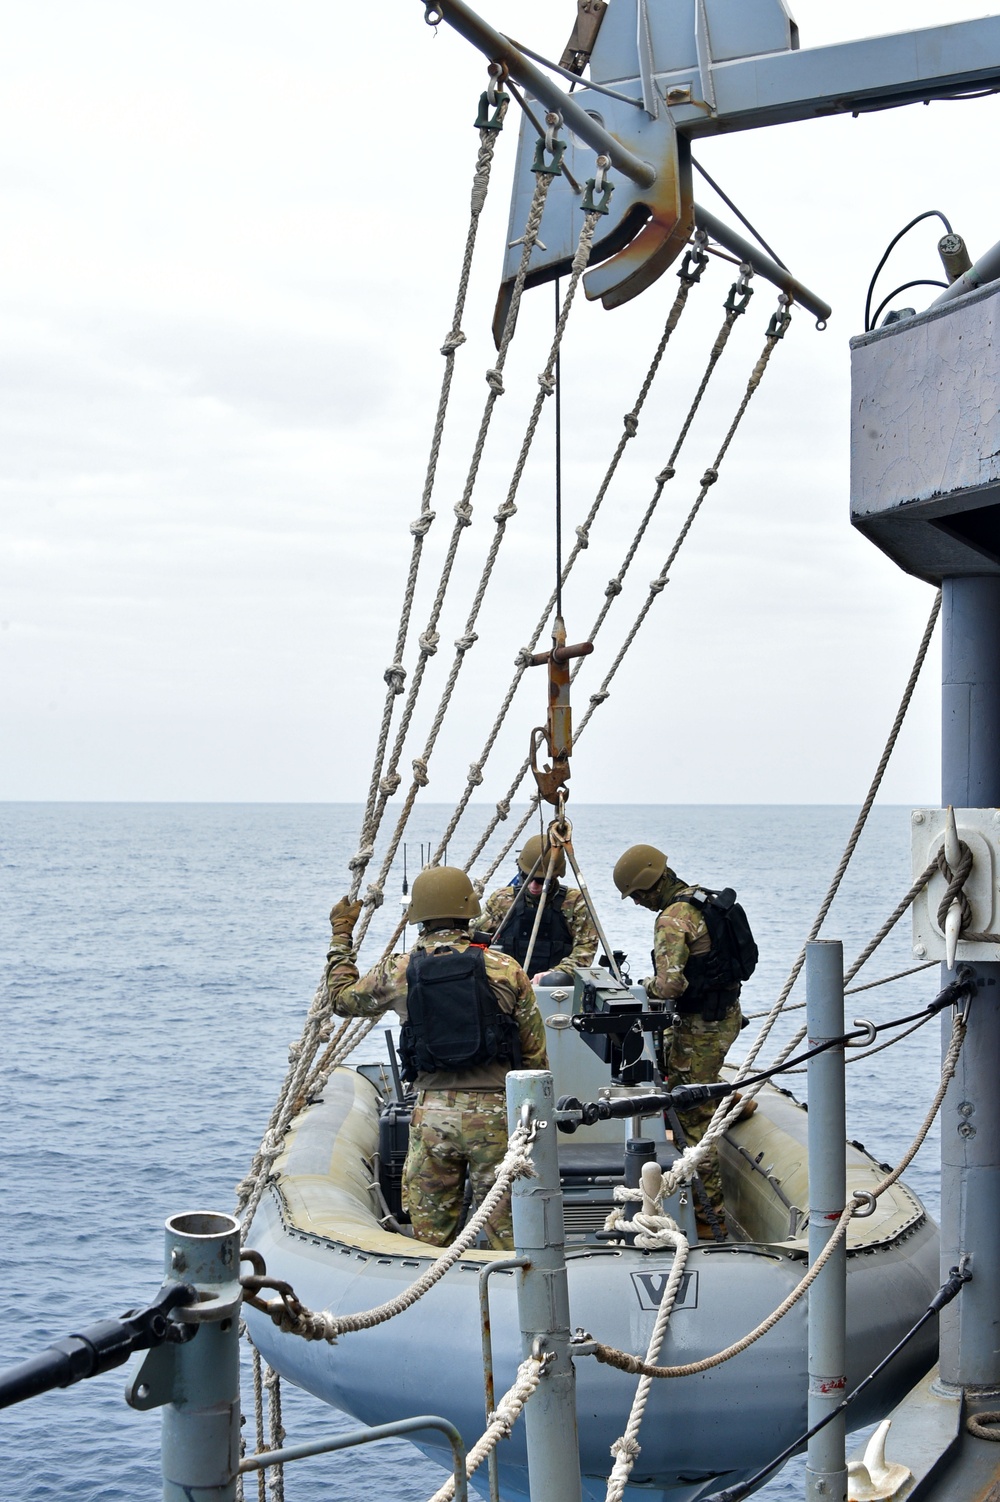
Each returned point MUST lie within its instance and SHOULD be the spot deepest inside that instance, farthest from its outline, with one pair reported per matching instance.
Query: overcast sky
(232, 236)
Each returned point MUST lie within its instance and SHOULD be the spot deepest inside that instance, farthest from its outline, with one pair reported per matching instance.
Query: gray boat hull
(317, 1228)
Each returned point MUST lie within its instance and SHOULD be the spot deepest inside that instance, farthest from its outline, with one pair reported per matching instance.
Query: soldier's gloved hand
(646, 982)
(552, 978)
(343, 916)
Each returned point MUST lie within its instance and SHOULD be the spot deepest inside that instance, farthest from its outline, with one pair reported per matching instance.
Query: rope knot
(423, 523)
(507, 510)
(626, 1447)
(465, 642)
(599, 698)
(631, 421)
(503, 808)
(495, 382)
(389, 784)
(475, 773)
(454, 341)
(523, 658)
(583, 537)
(666, 473)
(612, 588)
(547, 383)
(395, 676)
(463, 514)
(420, 775)
(709, 477)
(429, 643)
(657, 585)
(956, 882)
(359, 862)
(374, 896)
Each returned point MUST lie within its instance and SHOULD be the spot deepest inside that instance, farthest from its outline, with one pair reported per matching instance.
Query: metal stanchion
(826, 1464)
(543, 1296)
(197, 1383)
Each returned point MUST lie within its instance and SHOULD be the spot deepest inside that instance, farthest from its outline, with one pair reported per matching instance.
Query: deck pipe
(970, 1115)
(543, 1294)
(200, 1445)
(826, 1463)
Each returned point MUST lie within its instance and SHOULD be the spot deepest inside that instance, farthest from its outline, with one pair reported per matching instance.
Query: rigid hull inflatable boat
(319, 1227)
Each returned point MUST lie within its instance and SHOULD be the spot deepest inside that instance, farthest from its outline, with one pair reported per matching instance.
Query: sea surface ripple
(160, 959)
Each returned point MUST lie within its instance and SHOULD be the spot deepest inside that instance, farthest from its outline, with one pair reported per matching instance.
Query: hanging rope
(692, 1158)
(463, 518)
(626, 1449)
(775, 332)
(291, 1315)
(736, 304)
(502, 1419)
(849, 849)
(627, 1363)
(395, 674)
(506, 511)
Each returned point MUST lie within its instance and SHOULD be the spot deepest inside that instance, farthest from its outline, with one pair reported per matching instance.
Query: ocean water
(158, 961)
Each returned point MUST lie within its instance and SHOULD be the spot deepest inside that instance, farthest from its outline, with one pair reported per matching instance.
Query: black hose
(948, 1291)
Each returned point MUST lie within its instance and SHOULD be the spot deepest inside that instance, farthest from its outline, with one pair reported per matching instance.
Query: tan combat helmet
(639, 869)
(442, 892)
(529, 854)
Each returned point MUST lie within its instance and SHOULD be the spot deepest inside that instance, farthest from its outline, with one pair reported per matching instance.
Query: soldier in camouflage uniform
(459, 1124)
(703, 1032)
(566, 935)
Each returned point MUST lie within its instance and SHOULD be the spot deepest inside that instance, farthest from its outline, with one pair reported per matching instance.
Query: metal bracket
(979, 830)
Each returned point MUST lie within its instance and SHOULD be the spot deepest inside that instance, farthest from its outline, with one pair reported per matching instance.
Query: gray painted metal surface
(543, 1294)
(925, 442)
(970, 1121)
(924, 457)
(826, 1468)
(198, 1383)
(722, 66)
(402, 1427)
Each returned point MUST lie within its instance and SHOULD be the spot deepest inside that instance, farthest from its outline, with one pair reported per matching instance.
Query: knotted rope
(502, 1419)
(291, 1315)
(395, 674)
(628, 1363)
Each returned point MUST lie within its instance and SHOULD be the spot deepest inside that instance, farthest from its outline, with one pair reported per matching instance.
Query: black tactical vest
(713, 979)
(554, 941)
(454, 1020)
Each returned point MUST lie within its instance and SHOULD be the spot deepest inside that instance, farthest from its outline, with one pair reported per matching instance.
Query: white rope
(300, 1056)
(503, 515)
(693, 1157)
(463, 516)
(627, 1363)
(626, 1449)
(523, 659)
(658, 584)
(502, 1419)
(289, 1314)
(395, 674)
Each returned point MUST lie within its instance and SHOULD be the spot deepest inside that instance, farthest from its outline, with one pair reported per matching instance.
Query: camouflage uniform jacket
(574, 910)
(384, 987)
(679, 931)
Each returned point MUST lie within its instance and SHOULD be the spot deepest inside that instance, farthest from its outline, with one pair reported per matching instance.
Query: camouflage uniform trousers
(453, 1131)
(695, 1050)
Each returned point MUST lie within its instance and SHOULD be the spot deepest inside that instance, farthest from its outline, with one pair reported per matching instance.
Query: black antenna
(406, 887)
